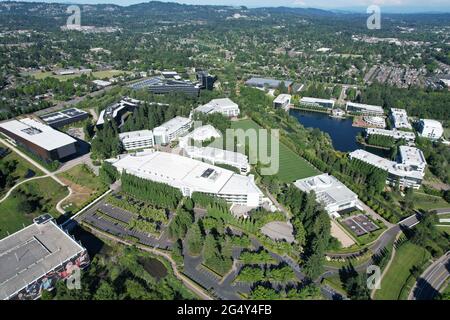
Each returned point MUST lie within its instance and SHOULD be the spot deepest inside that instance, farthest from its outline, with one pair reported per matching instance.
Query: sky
(390, 5)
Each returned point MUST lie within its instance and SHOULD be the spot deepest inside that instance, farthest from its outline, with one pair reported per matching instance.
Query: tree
(105, 292)
(194, 239)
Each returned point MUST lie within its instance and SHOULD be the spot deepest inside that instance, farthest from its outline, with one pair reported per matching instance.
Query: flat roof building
(137, 139)
(325, 103)
(282, 101)
(330, 192)
(376, 121)
(412, 157)
(405, 175)
(189, 176)
(269, 83)
(101, 83)
(224, 106)
(42, 140)
(366, 109)
(400, 119)
(200, 134)
(62, 118)
(35, 258)
(171, 130)
(219, 156)
(431, 129)
(396, 134)
(117, 110)
(162, 85)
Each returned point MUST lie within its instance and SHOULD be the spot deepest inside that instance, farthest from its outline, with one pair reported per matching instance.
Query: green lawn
(12, 220)
(97, 74)
(292, 166)
(398, 280)
(428, 202)
(21, 169)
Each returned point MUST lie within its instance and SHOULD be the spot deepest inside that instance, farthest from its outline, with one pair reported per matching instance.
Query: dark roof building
(65, 117)
(161, 85)
(268, 83)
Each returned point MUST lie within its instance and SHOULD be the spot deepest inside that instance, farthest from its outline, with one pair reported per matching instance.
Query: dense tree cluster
(158, 194)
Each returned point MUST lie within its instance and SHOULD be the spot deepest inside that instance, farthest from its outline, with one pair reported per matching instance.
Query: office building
(219, 156)
(189, 176)
(117, 110)
(200, 135)
(282, 101)
(65, 117)
(375, 121)
(42, 140)
(396, 134)
(206, 80)
(399, 119)
(430, 129)
(137, 139)
(330, 192)
(36, 257)
(406, 173)
(171, 130)
(365, 109)
(224, 106)
(316, 102)
(162, 85)
(267, 83)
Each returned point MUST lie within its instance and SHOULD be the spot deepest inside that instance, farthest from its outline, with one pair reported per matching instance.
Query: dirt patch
(339, 234)
(80, 194)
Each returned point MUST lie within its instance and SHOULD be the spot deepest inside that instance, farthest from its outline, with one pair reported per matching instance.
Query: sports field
(292, 166)
(97, 74)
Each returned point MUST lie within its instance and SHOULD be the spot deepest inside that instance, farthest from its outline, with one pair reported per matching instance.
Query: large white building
(407, 173)
(430, 129)
(200, 134)
(137, 139)
(366, 109)
(375, 121)
(42, 140)
(171, 130)
(330, 192)
(224, 106)
(396, 134)
(219, 156)
(317, 102)
(189, 176)
(413, 158)
(282, 101)
(399, 119)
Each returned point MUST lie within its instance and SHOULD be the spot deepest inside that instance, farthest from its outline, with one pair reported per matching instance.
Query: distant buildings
(171, 130)
(101, 83)
(117, 110)
(189, 176)
(267, 83)
(137, 139)
(64, 117)
(430, 129)
(219, 156)
(399, 119)
(282, 101)
(163, 85)
(396, 134)
(330, 192)
(317, 102)
(42, 140)
(408, 172)
(35, 258)
(224, 106)
(365, 109)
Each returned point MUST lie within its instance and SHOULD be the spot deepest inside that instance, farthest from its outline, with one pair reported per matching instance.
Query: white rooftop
(392, 167)
(217, 154)
(202, 133)
(217, 105)
(367, 107)
(135, 134)
(328, 189)
(172, 125)
(431, 123)
(400, 118)
(282, 98)
(315, 100)
(396, 134)
(38, 133)
(412, 156)
(183, 172)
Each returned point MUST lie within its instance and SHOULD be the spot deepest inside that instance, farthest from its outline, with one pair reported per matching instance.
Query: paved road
(432, 281)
